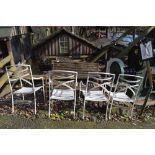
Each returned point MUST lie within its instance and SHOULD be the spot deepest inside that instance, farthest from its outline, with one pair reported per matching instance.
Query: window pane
(64, 45)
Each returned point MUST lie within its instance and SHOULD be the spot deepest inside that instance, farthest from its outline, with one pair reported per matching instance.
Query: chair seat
(121, 97)
(26, 90)
(94, 96)
(63, 94)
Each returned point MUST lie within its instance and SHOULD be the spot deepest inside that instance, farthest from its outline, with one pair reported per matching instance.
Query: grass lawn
(19, 122)
(24, 118)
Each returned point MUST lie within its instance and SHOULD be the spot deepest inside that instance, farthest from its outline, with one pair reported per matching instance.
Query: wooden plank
(5, 61)
(58, 52)
(50, 48)
(55, 52)
(70, 45)
(51, 53)
(82, 52)
(73, 47)
(5, 91)
(91, 51)
(4, 77)
(85, 50)
(81, 68)
(80, 49)
(46, 49)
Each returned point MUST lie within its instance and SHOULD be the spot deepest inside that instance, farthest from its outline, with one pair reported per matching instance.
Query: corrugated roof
(5, 31)
(102, 42)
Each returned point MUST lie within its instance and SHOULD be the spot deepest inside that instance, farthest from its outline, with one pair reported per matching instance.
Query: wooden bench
(81, 67)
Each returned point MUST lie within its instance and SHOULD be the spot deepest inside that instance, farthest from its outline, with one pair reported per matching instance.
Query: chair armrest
(82, 85)
(14, 79)
(38, 78)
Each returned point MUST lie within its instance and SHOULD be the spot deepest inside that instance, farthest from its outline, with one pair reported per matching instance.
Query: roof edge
(65, 31)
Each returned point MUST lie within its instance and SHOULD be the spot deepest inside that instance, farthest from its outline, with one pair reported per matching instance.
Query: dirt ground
(62, 117)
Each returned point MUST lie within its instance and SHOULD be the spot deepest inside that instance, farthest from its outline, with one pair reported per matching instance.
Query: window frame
(64, 45)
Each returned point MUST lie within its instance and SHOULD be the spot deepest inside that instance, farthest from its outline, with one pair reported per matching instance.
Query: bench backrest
(81, 67)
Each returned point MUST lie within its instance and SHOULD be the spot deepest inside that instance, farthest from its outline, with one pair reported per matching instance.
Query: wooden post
(8, 43)
(23, 49)
(149, 75)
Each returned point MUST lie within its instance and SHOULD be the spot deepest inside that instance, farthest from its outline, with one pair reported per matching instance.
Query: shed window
(64, 45)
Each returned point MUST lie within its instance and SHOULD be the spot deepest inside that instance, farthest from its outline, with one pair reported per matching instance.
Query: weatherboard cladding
(51, 45)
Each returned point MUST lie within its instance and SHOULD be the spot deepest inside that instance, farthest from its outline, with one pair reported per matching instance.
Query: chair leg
(131, 111)
(44, 93)
(49, 108)
(13, 107)
(80, 95)
(106, 118)
(35, 106)
(74, 107)
(110, 109)
(84, 109)
(23, 96)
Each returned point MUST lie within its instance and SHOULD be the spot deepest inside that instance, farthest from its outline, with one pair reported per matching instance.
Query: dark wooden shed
(15, 47)
(20, 41)
(63, 43)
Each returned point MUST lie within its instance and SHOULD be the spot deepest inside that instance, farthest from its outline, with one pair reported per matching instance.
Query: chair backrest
(100, 81)
(129, 84)
(22, 74)
(61, 79)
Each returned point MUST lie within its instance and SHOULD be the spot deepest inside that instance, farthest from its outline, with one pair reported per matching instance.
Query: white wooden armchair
(62, 86)
(21, 82)
(98, 88)
(126, 91)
